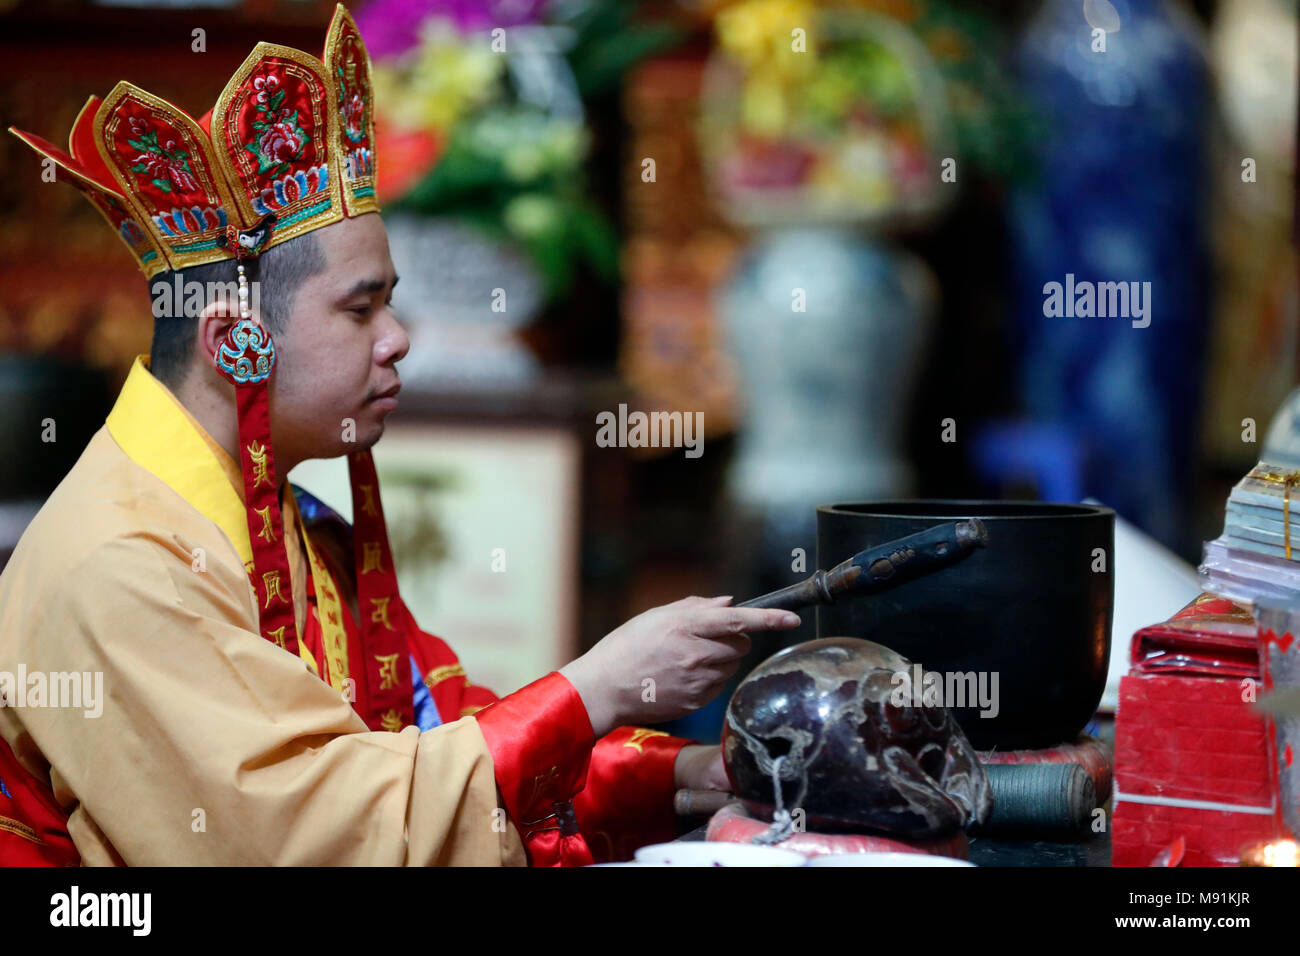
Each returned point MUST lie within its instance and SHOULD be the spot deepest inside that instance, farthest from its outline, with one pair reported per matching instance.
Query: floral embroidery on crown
(352, 105)
(166, 164)
(280, 141)
(352, 119)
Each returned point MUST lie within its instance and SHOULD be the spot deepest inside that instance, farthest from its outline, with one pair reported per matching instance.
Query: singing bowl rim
(950, 509)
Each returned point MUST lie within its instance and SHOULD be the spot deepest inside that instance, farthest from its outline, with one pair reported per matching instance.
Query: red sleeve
(628, 800)
(541, 740)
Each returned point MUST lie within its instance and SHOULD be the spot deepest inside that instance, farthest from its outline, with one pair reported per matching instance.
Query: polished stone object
(835, 726)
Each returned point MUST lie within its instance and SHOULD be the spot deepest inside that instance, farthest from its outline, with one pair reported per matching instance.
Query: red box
(1191, 761)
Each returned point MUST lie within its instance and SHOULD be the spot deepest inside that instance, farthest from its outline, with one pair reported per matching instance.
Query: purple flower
(391, 27)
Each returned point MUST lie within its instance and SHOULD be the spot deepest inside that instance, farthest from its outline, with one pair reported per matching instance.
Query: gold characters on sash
(387, 670)
(368, 504)
(257, 454)
(372, 557)
(278, 634)
(391, 721)
(271, 587)
(267, 533)
(380, 613)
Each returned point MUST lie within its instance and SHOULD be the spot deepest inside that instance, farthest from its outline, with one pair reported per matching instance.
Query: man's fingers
(714, 622)
(695, 601)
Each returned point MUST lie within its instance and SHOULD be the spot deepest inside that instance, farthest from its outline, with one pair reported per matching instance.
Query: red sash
(384, 664)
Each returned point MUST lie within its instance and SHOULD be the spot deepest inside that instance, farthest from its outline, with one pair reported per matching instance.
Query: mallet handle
(881, 567)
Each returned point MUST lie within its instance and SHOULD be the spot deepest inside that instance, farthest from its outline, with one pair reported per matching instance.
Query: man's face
(338, 351)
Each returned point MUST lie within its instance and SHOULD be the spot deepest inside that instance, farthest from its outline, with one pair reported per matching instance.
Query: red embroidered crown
(289, 145)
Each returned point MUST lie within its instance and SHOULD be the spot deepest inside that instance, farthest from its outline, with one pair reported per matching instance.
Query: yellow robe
(214, 746)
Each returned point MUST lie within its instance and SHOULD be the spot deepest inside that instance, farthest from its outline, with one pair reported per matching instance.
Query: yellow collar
(159, 434)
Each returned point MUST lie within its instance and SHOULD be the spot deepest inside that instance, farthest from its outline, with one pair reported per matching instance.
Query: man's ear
(215, 321)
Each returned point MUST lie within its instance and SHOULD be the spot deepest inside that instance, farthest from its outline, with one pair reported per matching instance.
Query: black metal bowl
(1018, 631)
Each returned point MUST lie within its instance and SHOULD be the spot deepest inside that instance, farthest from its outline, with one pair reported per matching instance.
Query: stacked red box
(1191, 760)
(1191, 752)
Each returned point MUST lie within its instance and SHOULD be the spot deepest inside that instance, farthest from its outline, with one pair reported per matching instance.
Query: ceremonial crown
(288, 148)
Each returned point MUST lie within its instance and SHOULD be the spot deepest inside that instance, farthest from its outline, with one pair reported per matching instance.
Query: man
(267, 698)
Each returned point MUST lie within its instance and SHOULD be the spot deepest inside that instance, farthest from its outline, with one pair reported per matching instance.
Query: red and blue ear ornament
(246, 357)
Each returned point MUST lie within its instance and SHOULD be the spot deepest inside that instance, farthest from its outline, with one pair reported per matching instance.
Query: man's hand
(700, 768)
(667, 662)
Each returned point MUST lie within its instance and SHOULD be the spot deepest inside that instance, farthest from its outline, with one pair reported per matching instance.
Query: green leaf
(163, 184)
(553, 261)
(602, 18)
(593, 237)
(277, 99)
(608, 41)
(603, 62)
(461, 179)
(139, 168)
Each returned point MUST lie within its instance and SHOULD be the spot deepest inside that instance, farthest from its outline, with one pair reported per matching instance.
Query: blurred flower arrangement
(843, 111)
(820, 114)
(497, 138)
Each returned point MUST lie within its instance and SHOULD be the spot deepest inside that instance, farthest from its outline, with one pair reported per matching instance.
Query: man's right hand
(668, 661)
